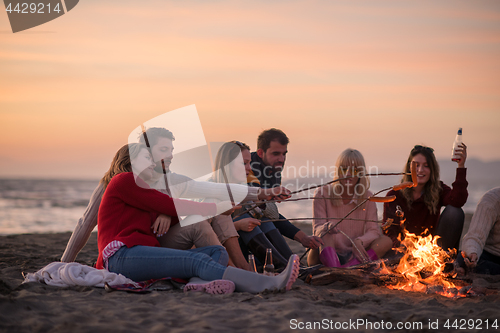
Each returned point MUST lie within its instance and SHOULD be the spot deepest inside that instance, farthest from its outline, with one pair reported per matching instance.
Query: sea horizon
(48, 205)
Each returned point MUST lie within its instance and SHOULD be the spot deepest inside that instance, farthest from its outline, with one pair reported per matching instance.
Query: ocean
(55, 205)
(42, 205)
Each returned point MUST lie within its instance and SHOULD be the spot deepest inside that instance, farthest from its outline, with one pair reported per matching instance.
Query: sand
(37, 307)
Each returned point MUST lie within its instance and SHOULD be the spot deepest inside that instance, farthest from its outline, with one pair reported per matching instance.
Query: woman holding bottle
(422, 204)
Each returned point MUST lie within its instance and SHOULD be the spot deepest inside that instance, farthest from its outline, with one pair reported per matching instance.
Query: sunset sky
(378, 76)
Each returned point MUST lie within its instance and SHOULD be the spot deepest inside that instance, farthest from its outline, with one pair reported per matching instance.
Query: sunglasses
(420, 148)
(354, 171)
(241, 144)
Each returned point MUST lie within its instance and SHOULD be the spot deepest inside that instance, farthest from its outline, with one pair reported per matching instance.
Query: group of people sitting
(138, 202)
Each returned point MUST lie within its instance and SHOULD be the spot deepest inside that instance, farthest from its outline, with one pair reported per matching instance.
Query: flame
(422, 266)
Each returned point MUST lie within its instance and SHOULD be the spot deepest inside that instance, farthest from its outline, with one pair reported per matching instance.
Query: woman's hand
(361, 255)
(461, 151)
(278, 192)
(329, 226)
(246, 224)
(161, 225)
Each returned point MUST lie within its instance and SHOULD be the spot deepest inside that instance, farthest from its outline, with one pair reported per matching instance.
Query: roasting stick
(374, 198)
(255, 204)
(318, 218)
(367, 175)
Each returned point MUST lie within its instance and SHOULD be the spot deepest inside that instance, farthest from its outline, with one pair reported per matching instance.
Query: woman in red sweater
(127, 244)
(422, 204)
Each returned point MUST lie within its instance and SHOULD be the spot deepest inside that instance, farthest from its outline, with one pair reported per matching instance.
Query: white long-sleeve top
(180, 187)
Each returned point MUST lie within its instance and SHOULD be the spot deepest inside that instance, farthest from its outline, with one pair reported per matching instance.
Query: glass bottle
(251, 263)
(268, 266)
(458, 141)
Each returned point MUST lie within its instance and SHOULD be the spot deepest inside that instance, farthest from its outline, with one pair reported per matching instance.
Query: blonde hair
(121, 161)
(433, 186)
(350, 158)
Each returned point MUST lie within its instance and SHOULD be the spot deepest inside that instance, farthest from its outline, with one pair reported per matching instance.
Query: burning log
(361, 274)
(332, 274)
(357, 276)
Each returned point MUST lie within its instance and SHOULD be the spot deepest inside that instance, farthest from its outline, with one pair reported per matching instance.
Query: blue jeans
(141, 263)
(263, 228)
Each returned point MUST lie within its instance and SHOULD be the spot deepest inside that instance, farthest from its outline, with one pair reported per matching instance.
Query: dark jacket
(267, 176)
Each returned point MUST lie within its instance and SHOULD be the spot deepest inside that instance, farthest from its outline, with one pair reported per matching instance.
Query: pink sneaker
(215, 287)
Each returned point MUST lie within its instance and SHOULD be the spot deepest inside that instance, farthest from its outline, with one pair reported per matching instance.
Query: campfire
(422, 266)
(425, 267)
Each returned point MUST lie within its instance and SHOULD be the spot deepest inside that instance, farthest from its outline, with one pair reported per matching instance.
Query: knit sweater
(418, 216)
(366, 231)
(484, 230)
(127, 212)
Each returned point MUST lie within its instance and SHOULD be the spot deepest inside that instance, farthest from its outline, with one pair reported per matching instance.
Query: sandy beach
(36, 307)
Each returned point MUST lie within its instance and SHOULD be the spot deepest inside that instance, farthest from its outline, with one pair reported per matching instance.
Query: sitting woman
(257, 233)
(422, 204)
(357, 239)
(127, 244)
(481, 244)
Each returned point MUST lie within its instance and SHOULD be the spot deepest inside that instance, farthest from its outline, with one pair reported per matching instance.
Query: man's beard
(278, 167)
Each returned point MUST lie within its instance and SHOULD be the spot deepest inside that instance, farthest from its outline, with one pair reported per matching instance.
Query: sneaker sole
(295, 272)
(216, 287)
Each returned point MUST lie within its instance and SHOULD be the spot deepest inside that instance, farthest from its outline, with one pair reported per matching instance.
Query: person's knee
(313, 257)
(221, 255)
(200, 229)
(455, 214)
(266, 226)
(385, 242)
(381, 245)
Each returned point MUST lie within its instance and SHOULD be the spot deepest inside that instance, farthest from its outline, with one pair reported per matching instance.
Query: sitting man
(481, 244)
(201, 234)
(267, 164)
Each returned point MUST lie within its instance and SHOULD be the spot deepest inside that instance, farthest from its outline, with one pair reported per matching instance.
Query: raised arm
(457, 195)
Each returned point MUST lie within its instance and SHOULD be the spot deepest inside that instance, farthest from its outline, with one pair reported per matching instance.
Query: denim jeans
(141, 263)
(263, 228)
